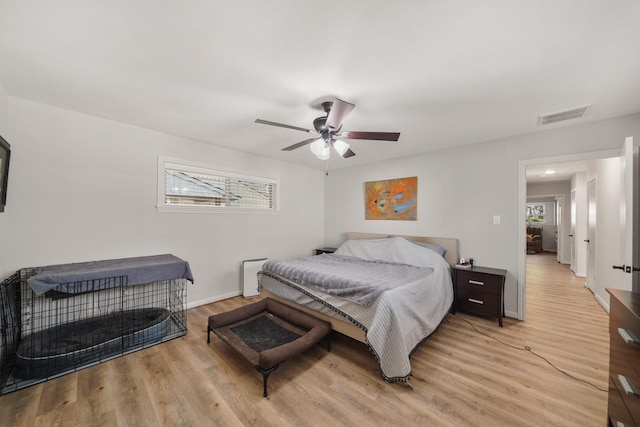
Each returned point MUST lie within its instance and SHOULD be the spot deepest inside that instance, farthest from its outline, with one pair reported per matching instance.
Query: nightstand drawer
(478, 302)
(487, 283)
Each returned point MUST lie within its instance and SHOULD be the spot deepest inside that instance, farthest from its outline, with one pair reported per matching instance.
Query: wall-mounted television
(5, 155)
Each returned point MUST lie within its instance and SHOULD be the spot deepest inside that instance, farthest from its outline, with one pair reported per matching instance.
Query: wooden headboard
(452, 256)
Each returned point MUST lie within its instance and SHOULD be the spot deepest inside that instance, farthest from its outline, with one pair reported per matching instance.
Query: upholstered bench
(267, 333)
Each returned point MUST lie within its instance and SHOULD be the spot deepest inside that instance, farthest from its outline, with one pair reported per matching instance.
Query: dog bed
(67, 346)
(267, 333)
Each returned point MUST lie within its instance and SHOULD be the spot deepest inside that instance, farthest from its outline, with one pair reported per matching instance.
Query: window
(535, 212)
(187, 186)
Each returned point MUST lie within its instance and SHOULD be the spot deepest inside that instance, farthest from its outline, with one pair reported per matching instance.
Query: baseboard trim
(602, 302)
(193, 304)
(512, 314)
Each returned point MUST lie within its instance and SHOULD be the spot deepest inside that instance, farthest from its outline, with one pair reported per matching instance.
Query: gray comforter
(355, 279)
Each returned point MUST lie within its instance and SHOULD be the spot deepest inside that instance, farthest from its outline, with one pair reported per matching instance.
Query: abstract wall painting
(392, 199)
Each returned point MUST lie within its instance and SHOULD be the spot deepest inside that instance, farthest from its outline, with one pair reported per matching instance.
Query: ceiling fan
(328, 128)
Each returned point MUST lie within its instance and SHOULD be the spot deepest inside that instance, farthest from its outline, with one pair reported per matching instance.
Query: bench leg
(208, 334)
(329, 341)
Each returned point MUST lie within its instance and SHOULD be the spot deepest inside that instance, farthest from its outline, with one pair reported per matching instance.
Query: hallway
(572, 325)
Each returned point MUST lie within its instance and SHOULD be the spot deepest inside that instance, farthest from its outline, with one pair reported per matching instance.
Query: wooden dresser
(624, 358)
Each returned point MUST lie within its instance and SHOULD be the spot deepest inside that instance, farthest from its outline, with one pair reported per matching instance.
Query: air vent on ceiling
(574, 113)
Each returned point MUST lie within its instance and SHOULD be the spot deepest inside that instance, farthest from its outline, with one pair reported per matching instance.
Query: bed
(397, 317)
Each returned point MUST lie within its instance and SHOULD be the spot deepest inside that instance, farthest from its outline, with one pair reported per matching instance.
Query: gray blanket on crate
(351, 278)
(77, 277)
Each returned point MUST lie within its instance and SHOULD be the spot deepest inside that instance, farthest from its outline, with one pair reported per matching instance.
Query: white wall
(461, 189)
(4, 227)
(84, 188)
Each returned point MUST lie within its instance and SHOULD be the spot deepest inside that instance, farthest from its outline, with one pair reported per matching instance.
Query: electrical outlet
(496, 220)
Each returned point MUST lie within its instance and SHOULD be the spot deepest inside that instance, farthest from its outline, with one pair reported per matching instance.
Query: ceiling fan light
(340, 146)
(324, 154)
(317, 146)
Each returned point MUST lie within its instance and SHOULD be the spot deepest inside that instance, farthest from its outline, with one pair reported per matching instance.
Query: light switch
(496, 220)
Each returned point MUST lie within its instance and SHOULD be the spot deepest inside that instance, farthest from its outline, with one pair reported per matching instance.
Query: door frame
(560, 226)
(572, 229)
(522, 201)
(592, 226)
(630, 158)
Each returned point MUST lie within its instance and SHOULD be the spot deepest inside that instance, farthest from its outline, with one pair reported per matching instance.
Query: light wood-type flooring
(461, 377)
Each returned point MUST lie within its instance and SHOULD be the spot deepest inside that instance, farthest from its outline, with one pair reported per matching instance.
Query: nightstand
(479, 290)
(325, 251)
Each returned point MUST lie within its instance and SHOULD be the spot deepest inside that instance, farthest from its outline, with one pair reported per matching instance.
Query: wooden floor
(461, 377)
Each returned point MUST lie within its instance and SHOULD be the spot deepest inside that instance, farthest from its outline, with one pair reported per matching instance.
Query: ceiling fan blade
(299, 144)
(348, 153)
(374, 136)
(267, 122)
(339, 111)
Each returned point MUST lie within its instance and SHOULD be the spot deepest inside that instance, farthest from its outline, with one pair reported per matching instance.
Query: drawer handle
(628, 337)
(628, 386)
(475, 282)
(620, 424)
(476, 301)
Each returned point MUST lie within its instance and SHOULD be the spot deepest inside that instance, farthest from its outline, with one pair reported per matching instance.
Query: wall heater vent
(249, 276)
(574, 113)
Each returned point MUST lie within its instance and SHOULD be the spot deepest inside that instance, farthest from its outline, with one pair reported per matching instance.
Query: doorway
(571, 166)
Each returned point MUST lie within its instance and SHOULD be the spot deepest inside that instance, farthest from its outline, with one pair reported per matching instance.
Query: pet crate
(53, 329)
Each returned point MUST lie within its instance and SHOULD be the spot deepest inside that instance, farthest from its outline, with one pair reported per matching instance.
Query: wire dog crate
(57, 332)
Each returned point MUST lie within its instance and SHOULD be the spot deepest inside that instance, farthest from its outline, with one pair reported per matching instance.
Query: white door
(629, 215)
(591, 234)
(572, 241)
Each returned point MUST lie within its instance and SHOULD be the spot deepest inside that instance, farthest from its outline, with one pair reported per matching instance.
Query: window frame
(544, 213)
(165, 162)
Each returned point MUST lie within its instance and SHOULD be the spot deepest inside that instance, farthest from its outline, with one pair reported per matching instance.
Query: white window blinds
(185, 185)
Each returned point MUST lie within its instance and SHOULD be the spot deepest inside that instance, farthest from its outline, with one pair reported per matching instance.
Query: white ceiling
(555, 172)
(443, 73)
